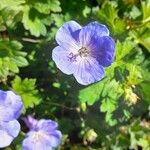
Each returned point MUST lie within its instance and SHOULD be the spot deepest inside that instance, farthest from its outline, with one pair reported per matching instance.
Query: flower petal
(10, 106)
(29, 143)
(3, 95)
(30, 122)
(47, 125)
(11, 127)
(5, 139)
(93, 29)
(63, 59)
(54, 139)
(8, 131)
(6, 113)
(67, 35)
(89, 71)
(44, 137)
(39, 140)
(15, 102)
(103, 49)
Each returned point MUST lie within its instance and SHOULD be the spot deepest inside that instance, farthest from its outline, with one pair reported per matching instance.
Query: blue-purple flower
(10, 110)
(43, 134)
(84, 51)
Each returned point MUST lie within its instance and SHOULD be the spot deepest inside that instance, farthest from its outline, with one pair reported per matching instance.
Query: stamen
(38, 136)
(83, 52)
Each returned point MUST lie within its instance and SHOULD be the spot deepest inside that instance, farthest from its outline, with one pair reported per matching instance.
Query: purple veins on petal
(64, 60)
(103, 48)
(89, 72)
(67, 35)
(47, 125)
(84, 51)
(10, 106)
(90, 31)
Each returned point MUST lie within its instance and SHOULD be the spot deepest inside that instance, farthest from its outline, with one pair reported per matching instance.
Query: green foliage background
(113, 114)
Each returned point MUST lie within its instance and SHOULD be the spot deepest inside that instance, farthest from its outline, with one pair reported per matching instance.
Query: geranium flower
(84, 51)
(43, 134)
(10, 110)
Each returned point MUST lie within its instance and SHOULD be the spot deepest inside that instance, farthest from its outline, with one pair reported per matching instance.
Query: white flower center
(38, 136)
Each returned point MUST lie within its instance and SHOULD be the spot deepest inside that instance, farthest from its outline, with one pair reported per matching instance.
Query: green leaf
(46, 6)
(123, 49)
(13, 67)
(127, 114)
(144, 142)
(108, 105)
(135, 74)
(20, 61)
(91, 94)
(135, 12)
(145, 88)
(32, 22)
(146, 10)
(112, 89)
(109, 14)
(10, 11)
(144, 39)
(54, 5)
(111, 93)
(119, 26)
(27, 90)
(142, 36)
(109, 119)
(11, 3)
(11, 58)
(86, 11)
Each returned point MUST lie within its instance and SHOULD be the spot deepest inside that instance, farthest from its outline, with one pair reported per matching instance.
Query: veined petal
(67, 35)
(8, 131)
(29, 143)
(51, 139)
(11, 127)
(54, 139)
(89, 71)
(103, 49)
(93, 29)
(39, 140)
(64, 59)
(44, 137)
(47, 125)
(10, 106)
(15, 102)
(6, 113)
